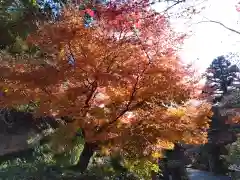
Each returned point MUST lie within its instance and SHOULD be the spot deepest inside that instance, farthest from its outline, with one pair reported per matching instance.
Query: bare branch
(221, 24)
(173, 5)
(126, 109)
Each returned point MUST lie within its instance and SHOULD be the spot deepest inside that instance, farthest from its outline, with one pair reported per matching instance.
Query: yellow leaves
(105, 151)
(156, 155)
(142, 167)
(179, 112)
(5, 90)
(185, 123)
(164, 144)
(61, 53)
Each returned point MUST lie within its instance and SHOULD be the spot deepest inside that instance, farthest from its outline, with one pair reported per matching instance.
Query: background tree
(221, 79)
(233, 159)
(19, 18)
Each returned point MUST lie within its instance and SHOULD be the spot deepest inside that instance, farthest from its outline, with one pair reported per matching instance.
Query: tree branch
(162, 12)
(89, 97)
(123, 111)
(221, 24)
(170, 7)
(126, 109)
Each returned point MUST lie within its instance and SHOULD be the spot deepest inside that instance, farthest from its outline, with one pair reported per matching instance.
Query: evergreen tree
(221, 76)
(221, 79)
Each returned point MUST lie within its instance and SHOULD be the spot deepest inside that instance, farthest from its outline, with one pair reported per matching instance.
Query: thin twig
(221, 24)
(170, 7)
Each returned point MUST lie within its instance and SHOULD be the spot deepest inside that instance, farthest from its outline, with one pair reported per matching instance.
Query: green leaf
(34, 2)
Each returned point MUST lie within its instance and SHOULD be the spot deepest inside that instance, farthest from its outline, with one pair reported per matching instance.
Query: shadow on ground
(203, 175)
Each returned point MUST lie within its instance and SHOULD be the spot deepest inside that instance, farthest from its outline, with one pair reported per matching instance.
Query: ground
(202, 175)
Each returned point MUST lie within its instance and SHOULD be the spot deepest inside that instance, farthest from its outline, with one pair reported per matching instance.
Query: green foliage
(31, 107)
(44, 164)
(104, 168)
(233, 158)
(17, 19)
(71, 156)
(25, 167)
(234, 152)
(142, 167)
(19, 46)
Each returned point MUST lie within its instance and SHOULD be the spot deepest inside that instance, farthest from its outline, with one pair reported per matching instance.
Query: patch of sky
(54, 6)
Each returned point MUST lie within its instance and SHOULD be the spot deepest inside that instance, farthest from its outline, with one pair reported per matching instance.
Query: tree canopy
(117, 85)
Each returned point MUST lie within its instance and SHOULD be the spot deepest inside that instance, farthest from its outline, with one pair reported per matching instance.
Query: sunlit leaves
(141, 167)
(116, 90)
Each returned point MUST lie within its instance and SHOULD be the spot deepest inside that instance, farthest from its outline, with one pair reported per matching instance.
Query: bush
(46, 165)
(42, 163)
(233, 159)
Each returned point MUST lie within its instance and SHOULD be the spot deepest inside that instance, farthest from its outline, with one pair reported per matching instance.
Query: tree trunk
(85, 157)
(164, 175)
(176, 163)
(217, 163)
(153, 175)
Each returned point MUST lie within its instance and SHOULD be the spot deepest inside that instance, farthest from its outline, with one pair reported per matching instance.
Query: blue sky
(208, 40)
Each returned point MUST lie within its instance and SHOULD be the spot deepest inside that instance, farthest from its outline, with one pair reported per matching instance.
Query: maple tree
(119, 11)
(116, 84)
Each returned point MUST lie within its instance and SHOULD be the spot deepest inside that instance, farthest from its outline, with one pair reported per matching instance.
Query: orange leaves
(192, 120)
(124, 21)
(159, 127)
(117, 87)
(235, 119)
